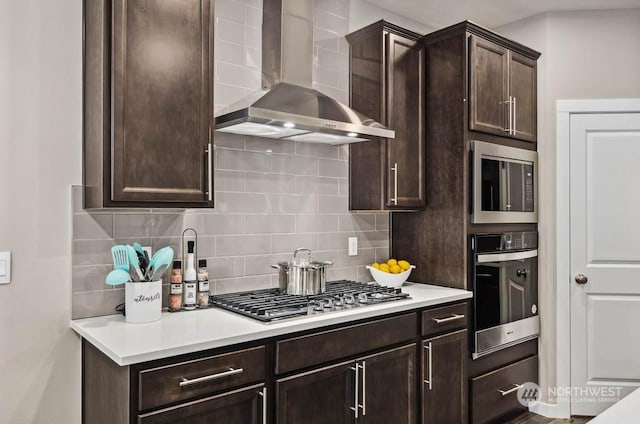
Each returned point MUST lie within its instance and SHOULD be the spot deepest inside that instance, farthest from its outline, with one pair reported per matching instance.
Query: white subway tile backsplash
(230, 285)
(225, 94)
(230, 10)
(229, 52)
(270, 145)
(226, 30)
(316, 185)
(225, 267)
(92, 226)
(242, 160)
(382, 221)
(228, 73)
(326, 39)
(227, 202)
(281, 164)
(314, 223)
(333, 204)
(327, 76)
(293, 203)
(229, 180)
(331, 22)
(269, 223)
(283, 243)
(336, 7)
(253, 16)
(333, 168)
(253, 37)
(358, 222)
(242, 245)
(270, 183)
(253, 57)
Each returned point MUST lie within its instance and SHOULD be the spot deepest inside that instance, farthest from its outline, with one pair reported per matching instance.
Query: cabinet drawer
(185, 380)
(314, 349)
(494, 394)
(446, 318)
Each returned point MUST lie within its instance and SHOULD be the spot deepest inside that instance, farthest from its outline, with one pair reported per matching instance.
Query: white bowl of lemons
(392, 273)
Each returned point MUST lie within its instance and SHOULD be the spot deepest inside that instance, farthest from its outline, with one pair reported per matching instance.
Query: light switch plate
(5, 267)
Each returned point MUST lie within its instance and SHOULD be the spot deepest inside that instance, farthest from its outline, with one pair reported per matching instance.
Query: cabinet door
(320, 396)
(444, 376)
(489, 97)
(245, 406)
(387, 386)
(404, 112)
(162, 101)
(523, 89)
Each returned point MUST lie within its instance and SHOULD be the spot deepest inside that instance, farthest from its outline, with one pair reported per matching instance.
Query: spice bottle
(190, 280)
(175, 287)
(203, 284)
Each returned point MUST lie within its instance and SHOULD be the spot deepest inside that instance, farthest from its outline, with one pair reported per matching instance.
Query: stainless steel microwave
(505, 187)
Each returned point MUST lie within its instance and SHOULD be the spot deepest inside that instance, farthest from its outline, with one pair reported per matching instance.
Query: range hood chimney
(287, 107)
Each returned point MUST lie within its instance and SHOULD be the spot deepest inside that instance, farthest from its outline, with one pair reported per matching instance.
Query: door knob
(581, 279)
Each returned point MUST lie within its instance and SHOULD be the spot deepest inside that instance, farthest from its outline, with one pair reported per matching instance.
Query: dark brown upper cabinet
(148, 95)
(387, 84)
(503, 91)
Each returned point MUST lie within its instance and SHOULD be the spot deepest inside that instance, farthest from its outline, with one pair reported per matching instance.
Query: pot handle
(301, 249)
(276, 266)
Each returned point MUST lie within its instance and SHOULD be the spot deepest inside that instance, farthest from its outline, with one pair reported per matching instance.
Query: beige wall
(584, 55)
(40, 148)
(363, 13)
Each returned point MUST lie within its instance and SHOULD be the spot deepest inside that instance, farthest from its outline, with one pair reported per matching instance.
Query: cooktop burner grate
(270, 304)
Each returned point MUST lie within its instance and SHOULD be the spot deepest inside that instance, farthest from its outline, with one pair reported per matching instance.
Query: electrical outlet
(353, 246)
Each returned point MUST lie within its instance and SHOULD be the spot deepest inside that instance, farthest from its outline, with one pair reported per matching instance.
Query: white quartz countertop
(185, 332)
(626, 410)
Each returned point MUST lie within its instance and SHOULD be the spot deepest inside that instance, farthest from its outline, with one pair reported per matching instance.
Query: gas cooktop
(271, 304)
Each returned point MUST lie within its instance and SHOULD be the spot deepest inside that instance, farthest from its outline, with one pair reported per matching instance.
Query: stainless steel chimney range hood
(287, 107)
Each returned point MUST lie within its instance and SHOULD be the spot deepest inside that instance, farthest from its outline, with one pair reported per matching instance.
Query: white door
(605, 258)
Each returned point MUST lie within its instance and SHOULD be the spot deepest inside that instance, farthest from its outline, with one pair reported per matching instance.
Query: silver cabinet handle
(508, 129)
(394, 169)
(354, 408)
(231, 371)
(511, 390)
(447, 319)
(515, 116)
(429, 381)
(364, 388)
(209, 171)
(263, 393)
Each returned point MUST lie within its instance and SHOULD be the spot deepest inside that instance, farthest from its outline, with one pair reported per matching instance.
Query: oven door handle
(502, 257)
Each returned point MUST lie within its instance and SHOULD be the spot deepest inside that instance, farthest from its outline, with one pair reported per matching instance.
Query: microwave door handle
(502, 257)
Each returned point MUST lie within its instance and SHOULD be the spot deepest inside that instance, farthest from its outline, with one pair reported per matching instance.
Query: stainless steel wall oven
(505, 285)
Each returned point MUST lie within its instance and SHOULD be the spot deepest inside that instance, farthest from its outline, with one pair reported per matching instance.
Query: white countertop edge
(262, 331)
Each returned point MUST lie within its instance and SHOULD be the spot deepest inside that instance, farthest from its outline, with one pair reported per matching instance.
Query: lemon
(405, 265)
(392, 262)
(375, 265)
(395, 269)
(384, 268)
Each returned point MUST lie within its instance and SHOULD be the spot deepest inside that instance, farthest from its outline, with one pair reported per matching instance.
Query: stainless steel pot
(302, 275)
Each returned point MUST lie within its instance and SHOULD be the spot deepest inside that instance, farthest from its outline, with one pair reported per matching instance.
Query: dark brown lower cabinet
(378, 388)
(444, 378)
(246, 406)
(387, 382)
(321, 396)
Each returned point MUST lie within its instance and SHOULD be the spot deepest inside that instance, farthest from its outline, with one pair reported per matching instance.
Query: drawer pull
(511, 390)
(447, 319)
(263, 393)
(231, 371)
